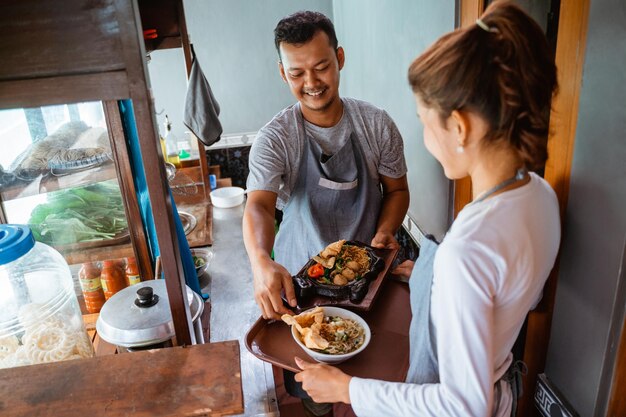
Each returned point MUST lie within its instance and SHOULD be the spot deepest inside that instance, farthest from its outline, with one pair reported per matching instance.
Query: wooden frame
(570, 56)
(470, 10)
(125, 175)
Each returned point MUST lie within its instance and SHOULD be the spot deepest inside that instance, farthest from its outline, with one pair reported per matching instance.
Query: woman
(483, 94)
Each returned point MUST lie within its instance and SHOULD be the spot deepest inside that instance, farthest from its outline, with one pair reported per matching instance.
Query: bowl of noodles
(329, 334)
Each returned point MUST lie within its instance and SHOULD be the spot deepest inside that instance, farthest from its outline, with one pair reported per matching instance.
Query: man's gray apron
(332, 200)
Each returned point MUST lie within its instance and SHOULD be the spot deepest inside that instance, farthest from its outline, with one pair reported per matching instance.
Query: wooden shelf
(48, 182)
(77, 256)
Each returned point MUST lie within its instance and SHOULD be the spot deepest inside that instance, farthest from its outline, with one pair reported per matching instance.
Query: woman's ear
(460, 126)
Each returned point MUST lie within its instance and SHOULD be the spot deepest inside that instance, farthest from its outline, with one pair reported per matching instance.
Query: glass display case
(77, 128)
(59, 176)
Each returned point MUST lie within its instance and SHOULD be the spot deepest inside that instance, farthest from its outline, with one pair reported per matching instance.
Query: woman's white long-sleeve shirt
(489, 271)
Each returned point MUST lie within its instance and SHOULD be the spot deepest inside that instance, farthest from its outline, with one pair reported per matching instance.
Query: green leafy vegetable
(83, 214)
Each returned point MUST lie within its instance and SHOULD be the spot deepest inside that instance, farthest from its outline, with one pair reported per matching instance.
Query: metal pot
(139, 317)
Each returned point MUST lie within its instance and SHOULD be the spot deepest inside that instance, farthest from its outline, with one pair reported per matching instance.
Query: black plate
(356, 290)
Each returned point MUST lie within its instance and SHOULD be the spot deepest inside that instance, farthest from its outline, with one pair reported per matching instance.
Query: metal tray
(386, 357)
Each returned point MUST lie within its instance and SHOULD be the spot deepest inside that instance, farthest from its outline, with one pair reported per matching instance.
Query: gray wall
(234, 41)
(381, 39)
(595, 225)
(168, 79)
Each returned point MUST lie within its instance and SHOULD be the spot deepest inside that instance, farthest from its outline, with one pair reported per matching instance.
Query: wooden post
(570, 55)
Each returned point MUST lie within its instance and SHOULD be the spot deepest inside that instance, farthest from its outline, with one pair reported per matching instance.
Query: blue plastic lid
(15, 241)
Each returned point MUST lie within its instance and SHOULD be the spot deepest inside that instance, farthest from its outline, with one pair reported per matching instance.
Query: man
(322, 161)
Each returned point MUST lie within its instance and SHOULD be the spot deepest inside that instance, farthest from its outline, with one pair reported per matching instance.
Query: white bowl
(334, 359)
(227, 197)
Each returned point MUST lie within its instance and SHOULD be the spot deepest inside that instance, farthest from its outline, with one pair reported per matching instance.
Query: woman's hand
(324, 383)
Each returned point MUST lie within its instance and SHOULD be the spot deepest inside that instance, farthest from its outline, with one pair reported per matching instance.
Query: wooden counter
(201, 380)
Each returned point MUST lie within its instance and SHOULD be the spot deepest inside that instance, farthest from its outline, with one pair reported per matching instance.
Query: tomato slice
(316, 271)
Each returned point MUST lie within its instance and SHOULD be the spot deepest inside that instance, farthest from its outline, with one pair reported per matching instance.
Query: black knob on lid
(146, 297)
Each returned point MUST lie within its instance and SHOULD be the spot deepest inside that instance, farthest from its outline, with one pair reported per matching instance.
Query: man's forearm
(258, 232)
(394, 207)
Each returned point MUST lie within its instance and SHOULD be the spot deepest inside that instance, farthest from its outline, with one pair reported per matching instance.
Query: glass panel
(57, 175)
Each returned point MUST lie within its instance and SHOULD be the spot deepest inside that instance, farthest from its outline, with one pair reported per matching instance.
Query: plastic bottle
(112, 277)
(132, 272)
(89, 278)
(40, 319)
(171, 144)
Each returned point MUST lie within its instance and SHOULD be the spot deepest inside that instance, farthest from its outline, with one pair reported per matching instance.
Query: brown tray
(387, 255)
(386, 357)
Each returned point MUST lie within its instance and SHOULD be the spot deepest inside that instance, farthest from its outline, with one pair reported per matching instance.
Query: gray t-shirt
(277, 150)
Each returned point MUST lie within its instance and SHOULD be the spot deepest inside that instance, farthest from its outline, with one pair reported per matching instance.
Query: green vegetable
(83, 214)
(198, 261)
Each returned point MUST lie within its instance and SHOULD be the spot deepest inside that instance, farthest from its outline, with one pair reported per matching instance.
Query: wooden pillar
(570, 55)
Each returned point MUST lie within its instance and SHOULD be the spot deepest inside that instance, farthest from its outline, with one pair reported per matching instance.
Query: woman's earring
(460, 149)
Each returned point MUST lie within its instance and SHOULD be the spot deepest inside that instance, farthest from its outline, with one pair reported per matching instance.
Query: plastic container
(113, 277)
(40, 319)
(227, 197)
(171, 144)
(89, 278)
(132, 272)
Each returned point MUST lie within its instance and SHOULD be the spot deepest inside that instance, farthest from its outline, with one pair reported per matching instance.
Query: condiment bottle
(132, 271)
(171, 144)
(89, 278)
(112, 277)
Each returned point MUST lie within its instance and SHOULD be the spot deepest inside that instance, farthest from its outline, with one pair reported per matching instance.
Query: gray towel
(201, 108)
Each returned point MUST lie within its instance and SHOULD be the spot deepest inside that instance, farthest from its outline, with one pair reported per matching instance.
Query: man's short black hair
(300, 27)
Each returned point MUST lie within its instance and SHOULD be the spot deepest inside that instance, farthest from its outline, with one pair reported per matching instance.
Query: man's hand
(258, 236)
(324, 383)
(404, 270)
(269, 278)
(384, 240)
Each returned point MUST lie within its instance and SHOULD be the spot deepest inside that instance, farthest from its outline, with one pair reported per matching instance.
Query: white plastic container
(40, 319)
(227, 197)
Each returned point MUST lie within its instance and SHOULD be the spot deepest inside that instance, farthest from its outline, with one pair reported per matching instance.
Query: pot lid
(140, 315)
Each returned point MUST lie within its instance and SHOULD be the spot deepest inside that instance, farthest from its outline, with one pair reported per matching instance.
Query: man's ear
(459, 123)
(341, 57)
(281, 69)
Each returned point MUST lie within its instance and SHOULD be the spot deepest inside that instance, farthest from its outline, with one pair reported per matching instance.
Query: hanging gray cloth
(201, 108)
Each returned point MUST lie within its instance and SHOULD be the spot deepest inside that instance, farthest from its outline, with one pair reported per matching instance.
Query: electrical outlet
(549, 401)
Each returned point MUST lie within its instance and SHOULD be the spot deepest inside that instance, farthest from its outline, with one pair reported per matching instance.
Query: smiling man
(335, 166)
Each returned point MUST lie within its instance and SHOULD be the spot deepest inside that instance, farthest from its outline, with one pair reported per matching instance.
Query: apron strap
(513, 376)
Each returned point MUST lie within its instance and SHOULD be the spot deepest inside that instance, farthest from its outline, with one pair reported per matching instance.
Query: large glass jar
(40, 318)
